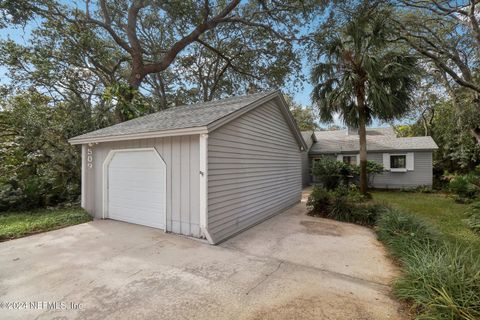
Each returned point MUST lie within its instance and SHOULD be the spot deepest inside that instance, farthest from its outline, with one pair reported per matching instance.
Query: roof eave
(291, 122)
(375, 150)
(141, 135)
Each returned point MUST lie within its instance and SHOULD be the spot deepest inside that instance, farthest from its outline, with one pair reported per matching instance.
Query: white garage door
(136, 187)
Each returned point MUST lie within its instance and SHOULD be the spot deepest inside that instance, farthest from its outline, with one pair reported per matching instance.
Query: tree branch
(227, 59)
(443, 66)
(192, 37)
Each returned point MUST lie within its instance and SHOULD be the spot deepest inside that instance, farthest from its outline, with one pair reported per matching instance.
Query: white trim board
(107, 161)
(204, 187)
(145, 135)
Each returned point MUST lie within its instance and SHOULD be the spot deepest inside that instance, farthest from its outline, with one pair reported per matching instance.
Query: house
(407, 161)
(208, 170)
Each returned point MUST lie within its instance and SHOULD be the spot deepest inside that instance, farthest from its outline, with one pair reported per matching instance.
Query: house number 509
(89, 158)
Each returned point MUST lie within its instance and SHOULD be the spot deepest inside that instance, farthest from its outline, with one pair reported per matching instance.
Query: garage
(135, 185)
(208, 170)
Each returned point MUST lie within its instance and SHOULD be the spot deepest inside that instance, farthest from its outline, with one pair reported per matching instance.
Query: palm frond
(358, 54)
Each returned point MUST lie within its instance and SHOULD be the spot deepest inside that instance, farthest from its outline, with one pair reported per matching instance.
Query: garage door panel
(133, 175)
(157, 189)
(140, 200)
(137, 188)
(134, 159)
(147, 221)
(135, 202)
(132, 212)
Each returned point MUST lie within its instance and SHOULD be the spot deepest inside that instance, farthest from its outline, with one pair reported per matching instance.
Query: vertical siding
(422, 175)
(181, 155)
(254, 171)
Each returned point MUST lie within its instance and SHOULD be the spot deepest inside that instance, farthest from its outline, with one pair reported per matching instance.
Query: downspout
(204, 187)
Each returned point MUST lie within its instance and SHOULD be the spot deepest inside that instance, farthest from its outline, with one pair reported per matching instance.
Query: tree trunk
(476, 134)
(362, 133)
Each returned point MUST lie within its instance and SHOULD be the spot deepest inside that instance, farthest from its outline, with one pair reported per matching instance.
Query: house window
(398, 161)
(351, 160)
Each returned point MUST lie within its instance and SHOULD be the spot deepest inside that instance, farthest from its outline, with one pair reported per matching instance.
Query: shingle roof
(182, 117)
(378, 139)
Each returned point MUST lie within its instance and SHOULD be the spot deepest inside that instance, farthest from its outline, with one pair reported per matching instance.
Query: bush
(318, 200)
(440, 278)
(473, 221)
(465, 186)
(373, 168)
(343, 204)
(330, 172)
(399, 230)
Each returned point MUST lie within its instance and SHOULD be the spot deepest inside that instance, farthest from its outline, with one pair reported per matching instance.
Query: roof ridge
(179, 117)
(217, 103)
(221, 101)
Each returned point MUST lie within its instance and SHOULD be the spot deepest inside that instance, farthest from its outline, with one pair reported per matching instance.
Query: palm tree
(362, 75)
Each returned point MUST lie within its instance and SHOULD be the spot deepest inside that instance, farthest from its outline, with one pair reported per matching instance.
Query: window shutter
(339, 157)
(410, 161)
(386, 161)
(357, 157)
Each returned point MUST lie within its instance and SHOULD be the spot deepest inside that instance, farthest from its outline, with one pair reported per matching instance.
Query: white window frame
(396, 155)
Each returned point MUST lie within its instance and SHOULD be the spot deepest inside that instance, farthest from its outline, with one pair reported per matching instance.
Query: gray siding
(422, 175)
(306, 174)
(181, 155)
(254, 171)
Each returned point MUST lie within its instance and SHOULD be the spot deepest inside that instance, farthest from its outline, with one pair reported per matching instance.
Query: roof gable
(189, 119)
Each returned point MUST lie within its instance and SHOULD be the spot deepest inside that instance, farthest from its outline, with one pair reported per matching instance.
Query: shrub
(473, 220)
(440, 278)
(373, 168)
(399, 231)
(465, 186)
(344, 204)
(330, 172)
(318, 200)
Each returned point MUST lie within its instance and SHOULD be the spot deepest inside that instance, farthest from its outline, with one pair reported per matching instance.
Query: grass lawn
(18, 224)
(437, 209)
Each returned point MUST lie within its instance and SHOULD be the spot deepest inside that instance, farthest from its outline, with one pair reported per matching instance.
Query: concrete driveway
(289, 267)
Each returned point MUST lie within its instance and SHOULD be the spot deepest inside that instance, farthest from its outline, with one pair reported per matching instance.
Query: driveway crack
(265, 278)
(368, 282)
